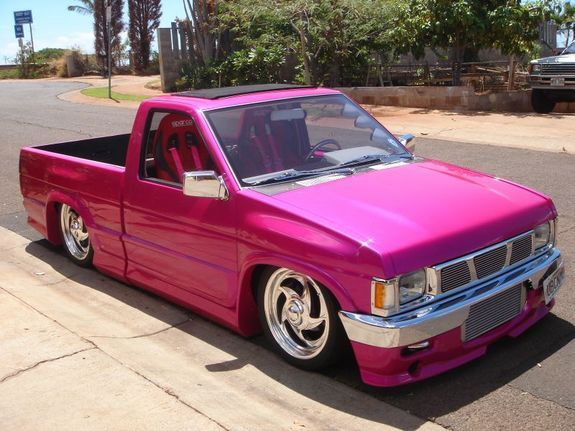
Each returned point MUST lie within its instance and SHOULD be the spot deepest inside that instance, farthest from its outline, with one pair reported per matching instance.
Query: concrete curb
(82, 351)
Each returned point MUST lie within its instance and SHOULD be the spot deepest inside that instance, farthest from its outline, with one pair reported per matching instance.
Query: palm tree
(97, 8)
(144, 20)
(86, 9)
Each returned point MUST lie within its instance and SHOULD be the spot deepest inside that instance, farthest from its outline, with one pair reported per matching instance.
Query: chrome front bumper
(446, 313)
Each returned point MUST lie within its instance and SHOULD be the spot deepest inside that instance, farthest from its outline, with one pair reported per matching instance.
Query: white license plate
(552, 283)
(558, 82)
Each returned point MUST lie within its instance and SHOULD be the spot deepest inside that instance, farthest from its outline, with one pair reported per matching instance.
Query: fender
(248, 323)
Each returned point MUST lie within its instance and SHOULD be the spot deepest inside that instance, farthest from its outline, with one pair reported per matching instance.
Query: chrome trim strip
(472, 271)
(508, 254)
(443, 315)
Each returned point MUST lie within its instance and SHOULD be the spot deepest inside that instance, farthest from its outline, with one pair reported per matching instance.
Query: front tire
(75, 237)
(299, 318)
(541, 103)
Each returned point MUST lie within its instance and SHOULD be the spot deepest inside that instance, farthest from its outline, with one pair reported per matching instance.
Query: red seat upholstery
(265, 146)
(178, 148)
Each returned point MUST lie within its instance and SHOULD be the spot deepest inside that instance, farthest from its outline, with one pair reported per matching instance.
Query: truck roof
(216, 98)
(218, 93)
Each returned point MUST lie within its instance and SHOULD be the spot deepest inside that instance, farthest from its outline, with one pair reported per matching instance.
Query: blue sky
(55, 27)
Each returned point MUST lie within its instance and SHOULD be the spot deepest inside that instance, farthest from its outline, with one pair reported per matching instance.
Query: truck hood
(422, 213)
(566, 58)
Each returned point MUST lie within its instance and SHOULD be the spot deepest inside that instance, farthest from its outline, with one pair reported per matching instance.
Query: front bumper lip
(446, 314)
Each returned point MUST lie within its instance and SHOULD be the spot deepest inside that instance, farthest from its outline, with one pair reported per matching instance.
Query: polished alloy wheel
(74, 233)
(296, 313)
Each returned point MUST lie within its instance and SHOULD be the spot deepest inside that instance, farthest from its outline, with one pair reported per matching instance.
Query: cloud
(82, 40)
(8, 52)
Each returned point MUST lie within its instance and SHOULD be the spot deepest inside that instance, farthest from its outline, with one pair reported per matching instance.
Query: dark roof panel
(218, 93)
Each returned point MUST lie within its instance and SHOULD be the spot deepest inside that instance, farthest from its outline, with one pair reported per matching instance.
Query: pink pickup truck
(292, 211)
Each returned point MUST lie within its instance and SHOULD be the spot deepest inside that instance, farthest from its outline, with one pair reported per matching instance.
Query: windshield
(288, 139)
(570, 49)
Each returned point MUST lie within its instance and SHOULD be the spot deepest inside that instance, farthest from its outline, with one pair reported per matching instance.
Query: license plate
(552, 283)
(558, 82)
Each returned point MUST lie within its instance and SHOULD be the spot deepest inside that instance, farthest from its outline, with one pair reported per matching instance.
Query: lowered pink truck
(290, 210)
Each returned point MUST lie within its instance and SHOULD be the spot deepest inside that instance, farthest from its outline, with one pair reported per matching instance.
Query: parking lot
(84, 351)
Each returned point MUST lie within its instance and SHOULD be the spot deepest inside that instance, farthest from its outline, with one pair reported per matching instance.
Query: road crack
(31, 367)
(175, 326)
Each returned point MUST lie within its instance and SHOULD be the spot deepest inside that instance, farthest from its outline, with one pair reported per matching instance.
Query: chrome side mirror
(406, 141)
(204, 184)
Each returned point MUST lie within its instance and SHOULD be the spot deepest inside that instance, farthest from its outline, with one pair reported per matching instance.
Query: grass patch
(9, 74)
(102, 93)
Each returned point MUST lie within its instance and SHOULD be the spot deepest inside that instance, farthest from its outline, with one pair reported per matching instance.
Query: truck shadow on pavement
(505, 361)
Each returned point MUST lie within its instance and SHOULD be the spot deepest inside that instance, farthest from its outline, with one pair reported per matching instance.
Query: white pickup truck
(552, 80)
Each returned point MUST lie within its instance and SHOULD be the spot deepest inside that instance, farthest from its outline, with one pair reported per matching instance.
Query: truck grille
(491, 262)
(558, 69)
(484, 263)
(492, 312)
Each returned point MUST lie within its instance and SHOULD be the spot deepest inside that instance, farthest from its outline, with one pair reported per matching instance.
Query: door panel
(188, 242)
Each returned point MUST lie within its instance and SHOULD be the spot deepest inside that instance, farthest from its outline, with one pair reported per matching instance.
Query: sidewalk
(81, 351)
(552, 132)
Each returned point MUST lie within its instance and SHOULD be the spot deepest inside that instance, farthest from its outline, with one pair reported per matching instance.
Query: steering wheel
(322, 143)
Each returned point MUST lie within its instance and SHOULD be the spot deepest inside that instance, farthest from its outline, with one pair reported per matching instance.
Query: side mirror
(204, 184)
(406, 141)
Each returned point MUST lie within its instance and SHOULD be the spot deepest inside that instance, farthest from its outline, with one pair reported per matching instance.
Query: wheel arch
(55, 200)
(250, 275)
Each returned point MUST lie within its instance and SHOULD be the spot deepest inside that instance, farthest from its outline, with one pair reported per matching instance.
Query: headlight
(388, 295)
(534, 68)
(411, 286)
(542, 235)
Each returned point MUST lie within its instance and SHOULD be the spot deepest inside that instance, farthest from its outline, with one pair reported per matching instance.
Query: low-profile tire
(541, 103)
(299, 319)
(75, 236)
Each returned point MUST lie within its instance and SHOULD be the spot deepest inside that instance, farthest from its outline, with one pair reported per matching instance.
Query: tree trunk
(511, 80)
(307, 73)
(457, 58)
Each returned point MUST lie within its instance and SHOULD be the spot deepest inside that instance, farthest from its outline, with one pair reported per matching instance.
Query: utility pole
(109, 28)
(31, 37)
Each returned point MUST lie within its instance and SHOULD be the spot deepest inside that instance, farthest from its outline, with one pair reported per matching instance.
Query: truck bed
(86, 175)
(109, 149)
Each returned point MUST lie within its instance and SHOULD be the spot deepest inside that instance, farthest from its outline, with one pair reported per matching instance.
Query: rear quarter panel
(93, 189)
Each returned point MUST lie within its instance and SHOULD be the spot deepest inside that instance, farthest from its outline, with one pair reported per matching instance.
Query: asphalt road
(33, 115)
(526, 383)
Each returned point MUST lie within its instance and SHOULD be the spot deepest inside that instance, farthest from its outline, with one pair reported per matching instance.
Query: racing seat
(178, 148)
(264, 145)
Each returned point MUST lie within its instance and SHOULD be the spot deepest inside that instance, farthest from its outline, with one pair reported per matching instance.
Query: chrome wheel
(74, 234)
(296, 313)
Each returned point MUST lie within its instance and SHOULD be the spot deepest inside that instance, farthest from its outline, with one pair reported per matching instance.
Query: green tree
(563, 13)
(334, 40)
(460, 25)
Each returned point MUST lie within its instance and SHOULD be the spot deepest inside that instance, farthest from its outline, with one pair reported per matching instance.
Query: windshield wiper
(294, 174)
(379, 158)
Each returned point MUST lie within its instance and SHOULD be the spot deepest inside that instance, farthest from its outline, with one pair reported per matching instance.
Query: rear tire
(75, 237)
(299, 318)
(541, 103)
